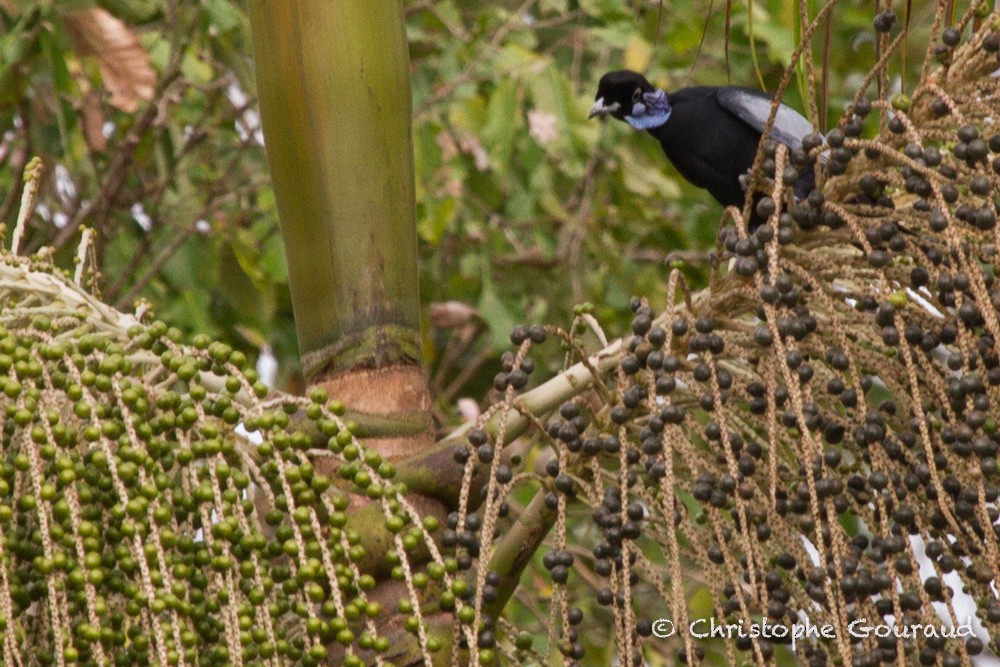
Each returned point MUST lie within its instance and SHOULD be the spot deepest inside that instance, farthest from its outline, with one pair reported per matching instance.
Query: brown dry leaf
(125, 66)
(452, 314)
(93, 121)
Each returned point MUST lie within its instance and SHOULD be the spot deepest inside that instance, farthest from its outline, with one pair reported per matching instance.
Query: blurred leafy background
(144, 115)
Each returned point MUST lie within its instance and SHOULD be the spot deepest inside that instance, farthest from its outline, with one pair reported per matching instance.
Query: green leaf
(243, 283)
(515, 59)
(543, 184)
(615, 35)
(426, 156)
(135, 12)
(223, 15)
(554, 6)
(438, 214)
(605, 9)
(196, 69)
(189, 309)
(470, 114)
(57, 62)
(158, 50)
(272, 260)
(17, 45)
(498, 317)
(502, 120)
(645, 179)
(779, 38)
(550, 93)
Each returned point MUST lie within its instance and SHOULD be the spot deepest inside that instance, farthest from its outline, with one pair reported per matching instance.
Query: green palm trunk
(333, 81)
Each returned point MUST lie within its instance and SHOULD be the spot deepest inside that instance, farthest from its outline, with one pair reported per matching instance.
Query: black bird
(709, 133)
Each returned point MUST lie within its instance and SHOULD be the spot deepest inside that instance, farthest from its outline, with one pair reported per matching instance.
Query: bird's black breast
(710, 145)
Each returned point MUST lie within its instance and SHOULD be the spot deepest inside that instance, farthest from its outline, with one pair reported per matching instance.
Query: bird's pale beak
(600, 109)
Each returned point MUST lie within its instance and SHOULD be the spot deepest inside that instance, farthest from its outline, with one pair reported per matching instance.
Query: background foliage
(525, 207)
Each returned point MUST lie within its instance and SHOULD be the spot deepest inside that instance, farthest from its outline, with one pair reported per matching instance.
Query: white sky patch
(923, 302)
(60, 220)
(203, 227)
(962, 602)
(862, 39)
(964, 605)
(141, 217)
(248, 123)
(267, 366)
(236, 95)
(65, 187)
(254, 438)
(108, 129)
(811, 550)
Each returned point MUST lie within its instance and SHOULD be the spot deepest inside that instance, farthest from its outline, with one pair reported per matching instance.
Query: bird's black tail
(805, 184)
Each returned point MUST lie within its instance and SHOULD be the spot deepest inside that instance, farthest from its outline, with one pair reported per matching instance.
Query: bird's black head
(628, 96)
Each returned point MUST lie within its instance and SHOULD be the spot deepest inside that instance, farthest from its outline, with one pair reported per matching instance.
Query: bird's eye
(637, 95)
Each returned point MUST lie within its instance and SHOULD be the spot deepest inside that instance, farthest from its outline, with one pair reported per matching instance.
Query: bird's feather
(753, 107)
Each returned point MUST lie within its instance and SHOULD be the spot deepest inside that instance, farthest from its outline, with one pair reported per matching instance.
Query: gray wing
(753, 107)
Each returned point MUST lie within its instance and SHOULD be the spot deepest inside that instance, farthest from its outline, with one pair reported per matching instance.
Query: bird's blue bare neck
(651, 112)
